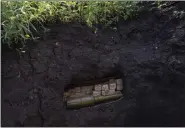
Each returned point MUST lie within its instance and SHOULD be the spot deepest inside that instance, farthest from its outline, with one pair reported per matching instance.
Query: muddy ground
(148, 52)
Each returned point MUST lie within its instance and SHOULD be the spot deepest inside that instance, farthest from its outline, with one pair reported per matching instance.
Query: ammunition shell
(96, 93)
(80, 102)
(99, 99)
(105, 87)
(108, 92)
(112, 84)
(119, 84)
(98, 87)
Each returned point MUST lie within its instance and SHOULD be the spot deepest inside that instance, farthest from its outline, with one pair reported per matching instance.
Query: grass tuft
(23, 20)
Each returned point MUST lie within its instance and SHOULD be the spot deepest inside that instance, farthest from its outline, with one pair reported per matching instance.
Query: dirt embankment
(148, 52)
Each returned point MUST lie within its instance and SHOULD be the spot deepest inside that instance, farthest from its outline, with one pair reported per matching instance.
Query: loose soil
(147, 52)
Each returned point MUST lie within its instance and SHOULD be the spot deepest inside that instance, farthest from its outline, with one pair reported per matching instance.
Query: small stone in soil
(57, 43)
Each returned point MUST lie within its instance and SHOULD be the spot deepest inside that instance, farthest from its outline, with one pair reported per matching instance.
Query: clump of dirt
(147, 52)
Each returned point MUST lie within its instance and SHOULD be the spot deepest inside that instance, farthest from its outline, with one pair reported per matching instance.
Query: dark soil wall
(147, 52)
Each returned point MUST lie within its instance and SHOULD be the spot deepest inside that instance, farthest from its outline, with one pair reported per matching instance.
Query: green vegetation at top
(22, 20)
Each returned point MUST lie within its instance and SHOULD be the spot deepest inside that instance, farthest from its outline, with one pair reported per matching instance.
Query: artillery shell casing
(79, 94)
(90, 95)
(119, 84)
(77, 89)
(108, 92)
(73, 102)
(98, 87)
(105, 87)
(112, 84)
(96, 93)
(80, 102)
(66, 94)
(87, 88)
(99, 99)
(88, 100)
